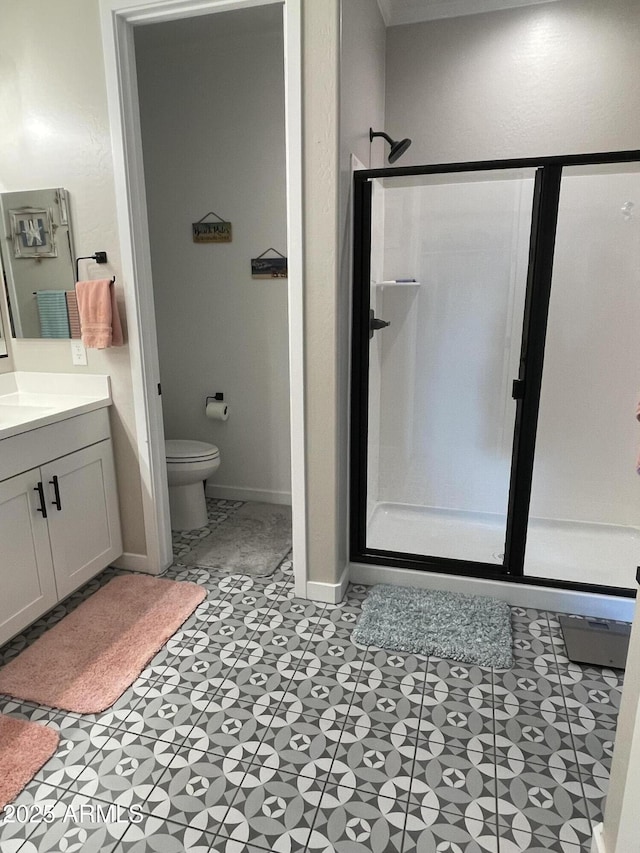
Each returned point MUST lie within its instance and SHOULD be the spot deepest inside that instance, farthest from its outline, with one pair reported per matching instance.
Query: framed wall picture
(262, 267)
(33, 233)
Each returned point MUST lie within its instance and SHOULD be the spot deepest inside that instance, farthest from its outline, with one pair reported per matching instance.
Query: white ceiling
(412, 11)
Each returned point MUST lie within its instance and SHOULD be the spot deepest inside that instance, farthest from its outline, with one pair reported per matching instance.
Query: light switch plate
(78, 353)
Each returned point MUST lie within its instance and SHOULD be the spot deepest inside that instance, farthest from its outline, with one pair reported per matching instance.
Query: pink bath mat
(89, 658)
(24, 748)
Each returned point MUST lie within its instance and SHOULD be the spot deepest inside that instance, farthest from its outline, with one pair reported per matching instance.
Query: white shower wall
(451, 351)
(588, 437)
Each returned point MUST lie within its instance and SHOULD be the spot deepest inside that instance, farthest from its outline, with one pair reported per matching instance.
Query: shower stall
(496, 370)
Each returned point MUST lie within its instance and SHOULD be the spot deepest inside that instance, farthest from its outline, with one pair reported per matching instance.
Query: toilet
(188, 464)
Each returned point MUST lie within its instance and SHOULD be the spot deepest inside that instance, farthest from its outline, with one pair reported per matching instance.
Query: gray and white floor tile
(359, 821)
(260, 727)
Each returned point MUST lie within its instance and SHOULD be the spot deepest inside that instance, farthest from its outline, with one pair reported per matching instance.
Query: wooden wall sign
(262, 267)
(211, 232)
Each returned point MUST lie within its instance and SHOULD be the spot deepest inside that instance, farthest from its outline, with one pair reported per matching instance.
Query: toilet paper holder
(219, 396)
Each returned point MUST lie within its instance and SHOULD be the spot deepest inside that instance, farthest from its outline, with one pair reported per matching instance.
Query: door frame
(543, 230)
(118, 20)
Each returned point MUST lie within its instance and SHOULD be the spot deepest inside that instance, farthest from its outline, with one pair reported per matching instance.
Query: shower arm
(374, 133)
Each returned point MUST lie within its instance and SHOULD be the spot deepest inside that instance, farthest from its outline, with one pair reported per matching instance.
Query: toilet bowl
(188, 464)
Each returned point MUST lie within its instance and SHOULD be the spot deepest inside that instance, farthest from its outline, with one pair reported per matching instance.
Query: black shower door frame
(527, 385)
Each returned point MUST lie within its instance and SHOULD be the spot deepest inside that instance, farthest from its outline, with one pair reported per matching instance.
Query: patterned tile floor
(261, 727)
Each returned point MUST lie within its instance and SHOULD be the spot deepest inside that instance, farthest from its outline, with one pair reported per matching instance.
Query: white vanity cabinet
(27, 587)
(84, 525)
(59, 520)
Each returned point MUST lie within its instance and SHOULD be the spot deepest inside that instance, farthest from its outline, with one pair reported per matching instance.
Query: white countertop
(32, 400)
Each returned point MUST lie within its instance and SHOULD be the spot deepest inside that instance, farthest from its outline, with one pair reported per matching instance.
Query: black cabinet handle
(42, 508)
(56, 491)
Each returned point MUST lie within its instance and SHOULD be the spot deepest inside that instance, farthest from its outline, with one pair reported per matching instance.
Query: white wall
(54, 132)
(452, 348)
(362, 83)
(320, 105)
(212, 111)
(557, 78)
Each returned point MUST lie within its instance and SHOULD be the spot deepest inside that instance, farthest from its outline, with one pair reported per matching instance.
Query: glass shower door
(448, 264)
(584, 517)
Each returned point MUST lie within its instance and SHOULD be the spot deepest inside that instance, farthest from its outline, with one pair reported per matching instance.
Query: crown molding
(385, 7)
(396, 12)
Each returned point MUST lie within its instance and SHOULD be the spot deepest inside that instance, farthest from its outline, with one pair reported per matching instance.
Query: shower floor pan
(581, 552)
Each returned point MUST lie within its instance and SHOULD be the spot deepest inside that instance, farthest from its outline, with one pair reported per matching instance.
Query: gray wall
(556, 78)
(212, 110)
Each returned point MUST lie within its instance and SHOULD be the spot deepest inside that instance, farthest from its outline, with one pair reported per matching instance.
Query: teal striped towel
(54, 317)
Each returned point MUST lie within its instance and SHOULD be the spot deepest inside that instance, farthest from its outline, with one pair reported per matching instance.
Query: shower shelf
(396, 283)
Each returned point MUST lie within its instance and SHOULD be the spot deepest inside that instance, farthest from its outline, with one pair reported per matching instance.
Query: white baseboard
(517, 594)
(597, 841)
(239, 493)
(330, 593)
(134, 563)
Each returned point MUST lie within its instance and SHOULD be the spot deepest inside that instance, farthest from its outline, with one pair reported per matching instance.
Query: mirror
(4, 353)
(4, 350)
(38, 259)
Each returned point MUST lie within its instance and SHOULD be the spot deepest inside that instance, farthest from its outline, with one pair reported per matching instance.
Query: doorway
(211, 94)
(119, 19)
(482, 291)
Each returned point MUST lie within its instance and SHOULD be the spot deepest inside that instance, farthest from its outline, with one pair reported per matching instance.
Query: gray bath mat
(252, 541)
(466, 628)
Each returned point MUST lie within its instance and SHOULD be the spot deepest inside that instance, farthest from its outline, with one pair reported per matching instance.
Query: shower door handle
(517, 389)
(375, 324)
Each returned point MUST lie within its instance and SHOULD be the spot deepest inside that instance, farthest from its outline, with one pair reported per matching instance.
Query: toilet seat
(186, 451)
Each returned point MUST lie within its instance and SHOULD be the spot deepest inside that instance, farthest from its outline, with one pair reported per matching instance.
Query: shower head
(398, 149)
(398, 146)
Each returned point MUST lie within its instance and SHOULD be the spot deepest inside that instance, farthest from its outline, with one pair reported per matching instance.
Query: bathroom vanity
(59, 520)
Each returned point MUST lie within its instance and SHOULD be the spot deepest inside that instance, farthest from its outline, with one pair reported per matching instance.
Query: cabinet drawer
(39, 446)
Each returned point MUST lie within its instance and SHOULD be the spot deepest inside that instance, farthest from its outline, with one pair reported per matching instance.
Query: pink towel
(74, 316)
(99, 316)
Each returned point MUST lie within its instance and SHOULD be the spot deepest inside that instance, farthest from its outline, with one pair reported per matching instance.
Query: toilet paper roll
(217, 410)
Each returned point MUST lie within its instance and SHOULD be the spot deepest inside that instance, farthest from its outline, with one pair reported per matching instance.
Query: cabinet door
(85, 530)
(27, 584)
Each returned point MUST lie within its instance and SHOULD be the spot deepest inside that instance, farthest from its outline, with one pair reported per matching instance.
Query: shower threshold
(573, 551)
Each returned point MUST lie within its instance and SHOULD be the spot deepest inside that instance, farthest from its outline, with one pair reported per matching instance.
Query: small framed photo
(33, 233)
(269, 267)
